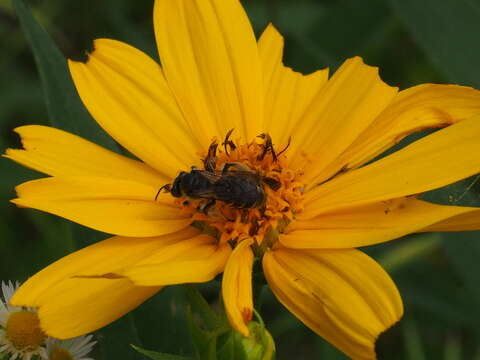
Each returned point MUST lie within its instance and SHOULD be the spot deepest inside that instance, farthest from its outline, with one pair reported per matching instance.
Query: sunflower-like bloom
(300, 191)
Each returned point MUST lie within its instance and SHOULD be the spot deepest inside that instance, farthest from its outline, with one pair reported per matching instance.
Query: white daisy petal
(77, 347)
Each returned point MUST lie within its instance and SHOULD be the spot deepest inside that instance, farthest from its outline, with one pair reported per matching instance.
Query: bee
(234, 184)
(239, 188)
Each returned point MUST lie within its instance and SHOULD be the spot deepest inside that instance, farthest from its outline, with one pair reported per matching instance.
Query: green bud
(258, 346)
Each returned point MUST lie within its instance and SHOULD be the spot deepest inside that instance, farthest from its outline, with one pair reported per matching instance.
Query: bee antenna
(166, 187)
(286, 147)
(228, 142)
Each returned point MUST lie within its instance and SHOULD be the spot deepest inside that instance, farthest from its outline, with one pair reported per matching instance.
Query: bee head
(176, 189)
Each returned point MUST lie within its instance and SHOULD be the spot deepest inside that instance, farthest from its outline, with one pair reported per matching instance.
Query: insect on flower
(235, 184)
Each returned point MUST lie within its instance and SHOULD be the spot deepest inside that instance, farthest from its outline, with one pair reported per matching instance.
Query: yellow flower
(216, 77)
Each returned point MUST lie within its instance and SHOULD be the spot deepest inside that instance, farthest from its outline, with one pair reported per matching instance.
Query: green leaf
(463, 249)
(162, 322)
(447, 31)
(453, 349)
(64, 107)
(410, 250)
(159, 356)
(413, 342)
(202, 308)
(204, 341)
(346, 29)
(226, 351)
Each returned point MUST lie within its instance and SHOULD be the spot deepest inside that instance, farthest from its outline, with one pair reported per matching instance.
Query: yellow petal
(288, 94)
(79, 306)
(415, 109)
(126, 93)
(342, 295)
(209, 55)
(439, 159)
(113, 206)
(59, 153)
(466, 221)
(345, 106)
(106, 256)
(199, 259)
(374, 223)
(237, 287)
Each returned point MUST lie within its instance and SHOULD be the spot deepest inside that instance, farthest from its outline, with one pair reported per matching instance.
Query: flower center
(23, 330)
(244, 191)
(59, 353)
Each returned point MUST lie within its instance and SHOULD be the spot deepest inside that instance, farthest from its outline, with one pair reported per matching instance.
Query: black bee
(239, 188)
(235, 184)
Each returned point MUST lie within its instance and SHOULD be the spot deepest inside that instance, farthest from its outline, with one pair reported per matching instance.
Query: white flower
(7, 291)
(72, 349)
(20, 334)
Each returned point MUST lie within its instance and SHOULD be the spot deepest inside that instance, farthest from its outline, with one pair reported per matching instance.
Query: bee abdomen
(239, 192)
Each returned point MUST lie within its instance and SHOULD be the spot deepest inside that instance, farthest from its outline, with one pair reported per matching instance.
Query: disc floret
(282, 187)
(23, 330)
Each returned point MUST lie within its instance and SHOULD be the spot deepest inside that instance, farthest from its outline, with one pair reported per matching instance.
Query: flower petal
(347, 104)
(237, 287)
(288, 94)
(209, 55)
(113, 206)
(466, 221)
(59, 153)
(439, 159)
(199, 259)
(373, 223)
(342, 295)
(79, 306)
(414, 109)
(106, 256)
(126, 93)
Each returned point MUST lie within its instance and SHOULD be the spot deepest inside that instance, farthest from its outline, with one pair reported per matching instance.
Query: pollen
(23, 330)
(258, 161)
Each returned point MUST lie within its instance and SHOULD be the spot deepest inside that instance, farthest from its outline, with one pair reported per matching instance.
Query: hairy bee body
(192, 184)
(239, 189)
(241, 192)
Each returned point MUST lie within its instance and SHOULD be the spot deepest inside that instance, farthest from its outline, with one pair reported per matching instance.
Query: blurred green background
(411, 41)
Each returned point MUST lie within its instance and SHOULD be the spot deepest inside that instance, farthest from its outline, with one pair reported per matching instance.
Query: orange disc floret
(280, 187)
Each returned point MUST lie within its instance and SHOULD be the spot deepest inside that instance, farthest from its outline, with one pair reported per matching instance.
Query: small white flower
(71, 349)
(20, 334)
(8, 288)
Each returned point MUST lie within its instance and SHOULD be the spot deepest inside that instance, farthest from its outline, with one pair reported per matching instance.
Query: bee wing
(272, 183)
(212, 176)
(205, 193)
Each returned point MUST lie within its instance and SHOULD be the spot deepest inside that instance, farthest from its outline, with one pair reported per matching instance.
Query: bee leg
(210, 161)
(262, 210)
(244, 216)
(206, 207)
(166, 187)
(227, 142)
